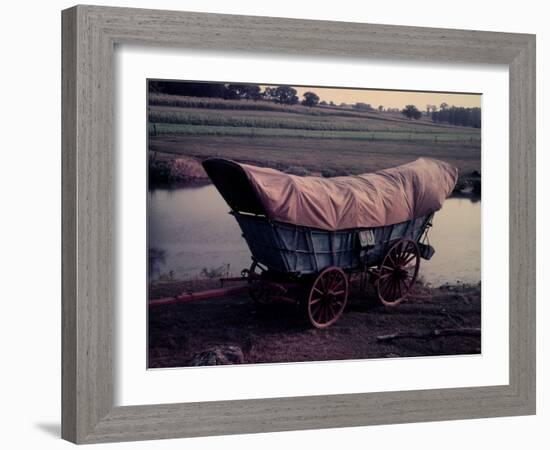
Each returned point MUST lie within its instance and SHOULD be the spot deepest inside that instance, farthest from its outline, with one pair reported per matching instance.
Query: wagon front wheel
(398, 272)
(327, 297)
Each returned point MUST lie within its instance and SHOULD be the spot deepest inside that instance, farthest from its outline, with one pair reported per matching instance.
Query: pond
(191, 235)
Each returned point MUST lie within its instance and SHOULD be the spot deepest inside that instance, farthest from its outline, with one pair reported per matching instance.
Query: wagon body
(288, 248)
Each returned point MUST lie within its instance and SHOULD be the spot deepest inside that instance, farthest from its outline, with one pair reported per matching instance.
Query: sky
(391, 99)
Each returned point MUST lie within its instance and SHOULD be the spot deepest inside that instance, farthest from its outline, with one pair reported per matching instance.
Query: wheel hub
(400, 272)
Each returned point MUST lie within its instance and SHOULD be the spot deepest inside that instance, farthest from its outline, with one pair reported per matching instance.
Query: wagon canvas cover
(375, 199)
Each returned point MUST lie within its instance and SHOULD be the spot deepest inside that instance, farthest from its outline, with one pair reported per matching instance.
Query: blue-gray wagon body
(289, 248)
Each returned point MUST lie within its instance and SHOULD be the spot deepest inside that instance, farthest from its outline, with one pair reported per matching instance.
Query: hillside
(327, 140)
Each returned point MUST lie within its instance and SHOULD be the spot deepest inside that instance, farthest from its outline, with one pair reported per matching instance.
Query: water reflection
(456, 237)
(190, 232)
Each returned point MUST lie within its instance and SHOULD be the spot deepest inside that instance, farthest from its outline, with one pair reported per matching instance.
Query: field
(303, 140)
(321, 141)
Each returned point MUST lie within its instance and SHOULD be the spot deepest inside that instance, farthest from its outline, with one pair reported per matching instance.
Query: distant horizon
(387, 98)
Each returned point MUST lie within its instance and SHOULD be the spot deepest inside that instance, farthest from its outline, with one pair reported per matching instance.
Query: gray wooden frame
(89, 36)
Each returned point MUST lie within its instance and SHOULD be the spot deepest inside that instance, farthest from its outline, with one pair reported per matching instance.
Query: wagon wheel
(327, 297)
(256, 287)
(398, 272)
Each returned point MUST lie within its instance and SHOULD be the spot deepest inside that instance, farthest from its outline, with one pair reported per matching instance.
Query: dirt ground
(280, 334)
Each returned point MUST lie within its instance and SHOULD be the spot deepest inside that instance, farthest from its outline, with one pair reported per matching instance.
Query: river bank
(172, 169)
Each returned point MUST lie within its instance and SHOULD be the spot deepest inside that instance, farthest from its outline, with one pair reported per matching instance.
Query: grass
(251, 131)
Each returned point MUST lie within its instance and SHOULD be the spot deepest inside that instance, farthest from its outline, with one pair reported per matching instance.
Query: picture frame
(90, 34)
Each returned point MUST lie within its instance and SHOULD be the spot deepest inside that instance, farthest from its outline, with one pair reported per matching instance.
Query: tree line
(454, 115)
(285, 95)
(467, 117)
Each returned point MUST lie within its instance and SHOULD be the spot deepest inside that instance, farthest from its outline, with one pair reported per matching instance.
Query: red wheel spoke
(398, 288)
(393, 289)
(316, 308)
(318, 312)
(409, 259)
(386, 288)
(409, 251)
(332, 311)
(406, 287)
(402, 249)
(315, 301)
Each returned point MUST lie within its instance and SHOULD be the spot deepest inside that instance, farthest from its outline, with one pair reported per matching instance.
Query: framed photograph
(265, 229)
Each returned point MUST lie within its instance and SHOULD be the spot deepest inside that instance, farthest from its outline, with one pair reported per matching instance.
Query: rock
(216, 356)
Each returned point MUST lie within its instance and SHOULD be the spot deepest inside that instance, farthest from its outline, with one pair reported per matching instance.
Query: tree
(363, 106)
(323, 103)
(284, 94)
(411, 112)
(380, 108)
(443, 106)
(310, 99)
(253, 92)
(243, 91)
(269, 94)
(190, 89)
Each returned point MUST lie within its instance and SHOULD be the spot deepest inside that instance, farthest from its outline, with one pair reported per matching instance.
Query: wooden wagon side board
(89, 37)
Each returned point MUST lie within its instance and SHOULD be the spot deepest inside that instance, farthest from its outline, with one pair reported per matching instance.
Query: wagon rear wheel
(327, 297)
(398, 272)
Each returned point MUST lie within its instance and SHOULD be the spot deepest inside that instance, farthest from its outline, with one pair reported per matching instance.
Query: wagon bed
(302, 250)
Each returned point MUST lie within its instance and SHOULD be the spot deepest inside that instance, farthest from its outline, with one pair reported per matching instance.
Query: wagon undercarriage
(322, 296)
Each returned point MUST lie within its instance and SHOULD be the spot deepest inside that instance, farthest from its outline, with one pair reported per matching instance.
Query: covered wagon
(309, 236)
